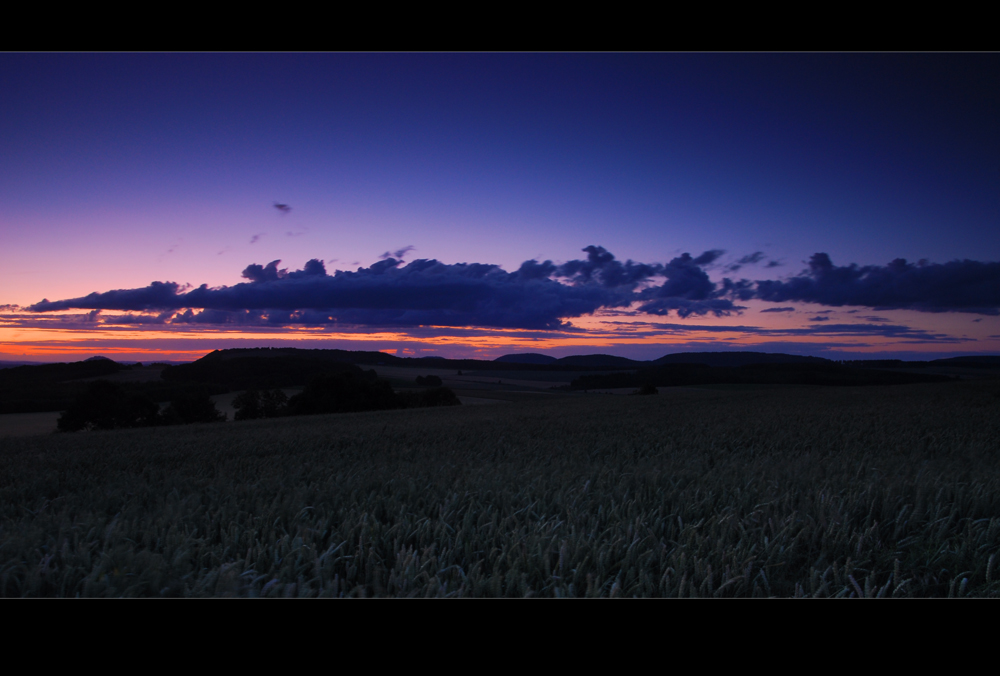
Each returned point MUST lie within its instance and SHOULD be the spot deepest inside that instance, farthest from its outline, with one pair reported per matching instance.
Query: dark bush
(439, 396)
(107, 406)
(429, 381)
(435, 396)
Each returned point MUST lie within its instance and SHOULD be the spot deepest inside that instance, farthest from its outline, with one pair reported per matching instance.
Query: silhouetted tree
(254, 404)
(247, 405)
(429, 381)
(107, 406)
(190, 407)
(273, 403)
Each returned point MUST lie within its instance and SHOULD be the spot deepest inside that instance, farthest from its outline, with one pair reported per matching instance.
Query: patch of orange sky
(183, 344)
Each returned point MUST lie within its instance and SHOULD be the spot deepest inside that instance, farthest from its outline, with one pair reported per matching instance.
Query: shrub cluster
(348, 392)
(339, 393)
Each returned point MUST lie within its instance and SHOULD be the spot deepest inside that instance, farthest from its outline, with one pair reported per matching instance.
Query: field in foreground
(878, 491)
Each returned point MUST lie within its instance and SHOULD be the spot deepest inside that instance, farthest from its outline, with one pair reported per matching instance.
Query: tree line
(107, 405)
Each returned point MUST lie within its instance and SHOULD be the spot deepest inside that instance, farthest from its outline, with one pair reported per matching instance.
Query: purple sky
(118, 171)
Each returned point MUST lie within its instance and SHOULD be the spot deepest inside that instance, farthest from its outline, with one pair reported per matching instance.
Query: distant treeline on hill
(53, 387)
(242, 371)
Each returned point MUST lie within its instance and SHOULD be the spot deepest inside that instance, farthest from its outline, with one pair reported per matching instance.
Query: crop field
(781, 491)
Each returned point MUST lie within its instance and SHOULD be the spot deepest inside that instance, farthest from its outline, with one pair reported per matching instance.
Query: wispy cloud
(398, 253)
(749, 259)
(896, 331)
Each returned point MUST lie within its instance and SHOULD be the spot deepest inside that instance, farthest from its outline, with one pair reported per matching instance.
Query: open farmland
(781, 491)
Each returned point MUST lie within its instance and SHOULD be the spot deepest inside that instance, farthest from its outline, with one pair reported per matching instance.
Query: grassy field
(830, 492)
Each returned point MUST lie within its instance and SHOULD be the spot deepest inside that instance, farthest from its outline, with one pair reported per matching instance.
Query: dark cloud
(283, 208)
(156, 296)
(708, 256)
(601, 268)
(266, 273)
(688, 290)
(958, 286)
(538, 295)
(427, 292)
(256, 238)
(9, 308)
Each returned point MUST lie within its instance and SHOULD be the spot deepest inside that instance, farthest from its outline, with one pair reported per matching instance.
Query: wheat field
(787, 492)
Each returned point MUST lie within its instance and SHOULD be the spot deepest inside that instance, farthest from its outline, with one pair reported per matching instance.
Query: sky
(160, 206)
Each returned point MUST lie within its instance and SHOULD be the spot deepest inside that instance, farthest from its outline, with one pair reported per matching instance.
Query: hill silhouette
(591, 360)
(830, 373)
(526, 358)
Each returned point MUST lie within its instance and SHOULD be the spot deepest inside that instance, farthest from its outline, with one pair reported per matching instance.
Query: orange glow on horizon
(604, 332)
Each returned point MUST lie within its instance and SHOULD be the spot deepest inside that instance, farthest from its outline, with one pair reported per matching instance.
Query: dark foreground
(876, 491)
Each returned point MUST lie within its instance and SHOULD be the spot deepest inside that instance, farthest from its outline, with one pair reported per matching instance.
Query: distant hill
(978, 361)
(57, 373)
(591, 360)
(12, 364)
(48, 387)
(526, 358)
(585, 362)
(732, 359)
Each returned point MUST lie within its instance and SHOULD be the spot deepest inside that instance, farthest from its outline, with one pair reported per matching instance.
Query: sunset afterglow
(161, 206)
